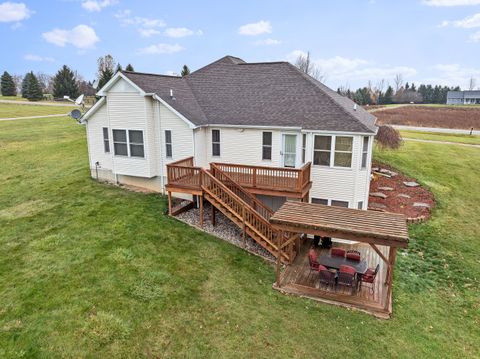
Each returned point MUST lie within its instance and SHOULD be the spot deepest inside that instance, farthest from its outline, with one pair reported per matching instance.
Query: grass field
(93, 271)
(8, 110)
(435, 136)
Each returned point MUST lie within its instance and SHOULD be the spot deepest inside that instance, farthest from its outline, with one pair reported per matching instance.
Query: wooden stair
(243, 209)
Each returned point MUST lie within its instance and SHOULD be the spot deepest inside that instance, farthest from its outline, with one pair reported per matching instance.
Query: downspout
(160, 142)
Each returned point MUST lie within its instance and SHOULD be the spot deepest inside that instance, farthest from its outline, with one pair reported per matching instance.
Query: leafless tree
(45, 81)
(105, 62)
(305, 65)
(18, 82)
(472, 83)
(398, 80)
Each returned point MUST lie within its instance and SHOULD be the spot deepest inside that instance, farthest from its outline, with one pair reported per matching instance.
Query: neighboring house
(262, 114)
(463, 97)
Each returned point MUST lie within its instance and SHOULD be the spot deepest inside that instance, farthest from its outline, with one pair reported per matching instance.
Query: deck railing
(183, 173)
(263, 177)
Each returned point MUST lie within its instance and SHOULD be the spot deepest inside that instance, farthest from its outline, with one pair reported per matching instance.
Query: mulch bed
(397, 200)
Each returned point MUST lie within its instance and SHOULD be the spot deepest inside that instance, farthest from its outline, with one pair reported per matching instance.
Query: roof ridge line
(150, 74)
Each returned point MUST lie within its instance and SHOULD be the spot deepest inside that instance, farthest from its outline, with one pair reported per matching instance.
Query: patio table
(335, 262)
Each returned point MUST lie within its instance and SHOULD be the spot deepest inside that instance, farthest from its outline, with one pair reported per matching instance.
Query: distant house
(463, 97)
(263, 115)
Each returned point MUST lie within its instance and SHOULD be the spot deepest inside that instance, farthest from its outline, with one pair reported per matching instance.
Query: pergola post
(169, 203)
(392, 255)
(279, 257)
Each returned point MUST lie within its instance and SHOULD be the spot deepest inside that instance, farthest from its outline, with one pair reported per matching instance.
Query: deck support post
(214, 222)
(169, 203)
(244, 228)
(279, 257)
(201, 210)
(392, 255)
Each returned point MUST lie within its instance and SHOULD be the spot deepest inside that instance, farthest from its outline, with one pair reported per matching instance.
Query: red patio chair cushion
(320, 267)
(347, 269)
(337, 252)
(353, 256)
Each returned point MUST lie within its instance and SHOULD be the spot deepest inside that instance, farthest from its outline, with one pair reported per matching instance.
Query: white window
(135, 139)
(322, 148)
(131, 146)
(339, 203)
(365, 151)
(320, 201)
(215, 142)
(120, 145)
(343, 151)
(304, 146)
(168, 143)
(106, 141)
(266, 145)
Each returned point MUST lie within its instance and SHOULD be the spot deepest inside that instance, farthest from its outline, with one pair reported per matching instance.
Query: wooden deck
(298, 280)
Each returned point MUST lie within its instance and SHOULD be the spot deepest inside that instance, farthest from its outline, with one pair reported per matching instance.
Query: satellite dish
(75, 114)
(79, 100)
(95, 84)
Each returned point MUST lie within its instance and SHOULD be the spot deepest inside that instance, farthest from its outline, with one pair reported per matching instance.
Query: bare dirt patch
(413, 202)
(424, 116)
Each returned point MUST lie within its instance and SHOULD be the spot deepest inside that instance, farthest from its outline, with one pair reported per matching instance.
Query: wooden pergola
(372, 227)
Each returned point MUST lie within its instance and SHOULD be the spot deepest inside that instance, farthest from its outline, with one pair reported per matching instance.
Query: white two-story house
(254, 114)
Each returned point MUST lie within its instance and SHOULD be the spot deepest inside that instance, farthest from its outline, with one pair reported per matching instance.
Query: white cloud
(454, 75)
(466, 23)
(148, 32)
(451, 2)
(475, 37)
(14, 12)
(257, 28)
(95, 5)
(268, 42)
(145, 26)
(81, 36)
(340, 69)
(37, 58)
(181, 32)
(160, 49)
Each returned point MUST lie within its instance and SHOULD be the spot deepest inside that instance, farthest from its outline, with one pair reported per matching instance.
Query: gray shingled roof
(232, 92)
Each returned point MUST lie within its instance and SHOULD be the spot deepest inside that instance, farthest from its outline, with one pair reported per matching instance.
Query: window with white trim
(215, 142)
(120, 143)
(266, 145)
(106, 140)
(322, 148)
(365, 151)
(360, 205)
(343, 151)
(304, 146)
(320, 201)
(339, 203)
(135, 139)
(168, 143)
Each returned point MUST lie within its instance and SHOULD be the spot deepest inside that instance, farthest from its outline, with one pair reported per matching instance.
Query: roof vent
(171, 95)
(354, 107)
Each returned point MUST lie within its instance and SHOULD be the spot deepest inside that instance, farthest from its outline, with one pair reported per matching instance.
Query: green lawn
(13, 98)
(8, 110)
(89, 270)
(435, 136)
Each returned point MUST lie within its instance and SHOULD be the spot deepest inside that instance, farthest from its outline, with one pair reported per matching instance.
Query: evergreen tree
(185, 70)
(119, 68)
(8, 85)
(106, 75)
(129, 68)
(65, 84)
(407, 86)
(388, 97)
(34, 90)
(413, 88)
(25, 82)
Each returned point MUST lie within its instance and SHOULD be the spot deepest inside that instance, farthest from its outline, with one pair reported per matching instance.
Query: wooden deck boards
(297, 279)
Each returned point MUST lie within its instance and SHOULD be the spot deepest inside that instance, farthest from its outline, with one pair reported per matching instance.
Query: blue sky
(352, 42)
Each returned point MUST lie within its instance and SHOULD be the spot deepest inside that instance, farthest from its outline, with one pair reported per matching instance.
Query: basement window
(339, 203)
(106, 141)
(320, 201)
(168, 143)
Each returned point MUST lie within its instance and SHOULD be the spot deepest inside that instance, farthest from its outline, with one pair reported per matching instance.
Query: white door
(289, 150)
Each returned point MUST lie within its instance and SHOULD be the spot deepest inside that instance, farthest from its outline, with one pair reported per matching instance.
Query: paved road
(443, 142)
(30, 117)
(436, 129)
(60, 104)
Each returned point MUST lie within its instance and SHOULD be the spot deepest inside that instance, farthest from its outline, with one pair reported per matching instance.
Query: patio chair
(369, 277)
(353, 255)
(337, 252)
(327, 277)
(346, 277)
(312, 260)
